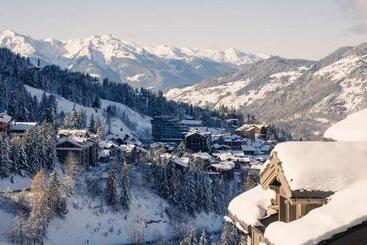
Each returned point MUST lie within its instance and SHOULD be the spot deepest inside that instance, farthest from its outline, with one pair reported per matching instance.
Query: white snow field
(118, 127)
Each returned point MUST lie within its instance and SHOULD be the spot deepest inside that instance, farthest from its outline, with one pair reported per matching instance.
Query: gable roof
(320, 166)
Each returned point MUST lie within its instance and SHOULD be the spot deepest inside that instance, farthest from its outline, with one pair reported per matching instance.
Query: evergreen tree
(125, 188)
(111, 188)
(19, 158)
(203, 240)
(230, 235)
(92, 125)
(190, 238)
(55, 197)
(5, 160)
(18, 231)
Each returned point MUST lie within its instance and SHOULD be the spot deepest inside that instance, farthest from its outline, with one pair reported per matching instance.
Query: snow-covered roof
(22, 126)
(251, 205)
(192, 122)
(346, 209)
(246, 127)
(227, 165)
(323, 166)
(5, 118)
(183, 161)
(353, 128)
(73, 132)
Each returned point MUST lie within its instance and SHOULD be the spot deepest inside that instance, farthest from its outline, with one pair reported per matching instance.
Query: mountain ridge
(300, 96)
(159, 66)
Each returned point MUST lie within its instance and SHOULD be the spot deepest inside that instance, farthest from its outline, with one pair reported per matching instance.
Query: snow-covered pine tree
(111, 188)
(55, 197)
(203, 240)
(190, 238)
(18, 230)
(34, 148)
(125, 188)
(5, 160)
(49, 144)
(19, 158)
(230, 235)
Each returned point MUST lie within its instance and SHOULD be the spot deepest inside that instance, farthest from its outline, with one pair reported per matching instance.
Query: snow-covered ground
(118, 127)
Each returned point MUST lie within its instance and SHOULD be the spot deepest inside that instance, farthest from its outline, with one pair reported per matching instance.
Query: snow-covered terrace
(250, 206)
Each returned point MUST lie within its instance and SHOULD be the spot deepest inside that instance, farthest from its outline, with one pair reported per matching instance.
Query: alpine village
(106, 141)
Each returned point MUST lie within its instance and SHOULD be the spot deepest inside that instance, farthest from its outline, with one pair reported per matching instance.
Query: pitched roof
(322, 166)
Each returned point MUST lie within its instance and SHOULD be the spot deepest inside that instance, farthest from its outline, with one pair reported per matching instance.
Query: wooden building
(85, 151)
(81, 143)
(197, 142)
(327, 177)
(252, 131)
(19, 129)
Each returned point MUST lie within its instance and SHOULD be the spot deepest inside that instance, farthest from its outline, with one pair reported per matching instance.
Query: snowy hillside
(305, 97)
(141, 124)
(158, 67)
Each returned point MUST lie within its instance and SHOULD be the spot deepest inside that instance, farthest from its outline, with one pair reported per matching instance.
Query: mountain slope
(304, 97)
(159, 67)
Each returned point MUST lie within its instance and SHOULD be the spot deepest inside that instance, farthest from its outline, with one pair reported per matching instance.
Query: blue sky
(290, 28)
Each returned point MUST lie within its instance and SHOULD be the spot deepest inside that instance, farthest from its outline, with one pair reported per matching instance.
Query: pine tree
(19, 158)
(111, 188)
(125, 188)
(190, 239)
(5, 160)
(92, 125)
(203, 240)
(230, 235)
(17, 232)
(55, 197)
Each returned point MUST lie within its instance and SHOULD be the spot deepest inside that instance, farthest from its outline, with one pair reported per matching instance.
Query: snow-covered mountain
(305, 97)
(159, 67)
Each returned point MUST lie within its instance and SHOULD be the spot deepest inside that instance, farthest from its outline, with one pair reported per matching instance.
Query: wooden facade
(289, 205)
(197, 142)
(85, 152)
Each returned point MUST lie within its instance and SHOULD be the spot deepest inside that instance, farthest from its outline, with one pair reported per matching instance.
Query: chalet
(19, 129)
(168, 129)
(197, 142)
(252, 131)
(225, 168)
(81, 143)
(327, 178)
(84, 150)
(5, 122)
